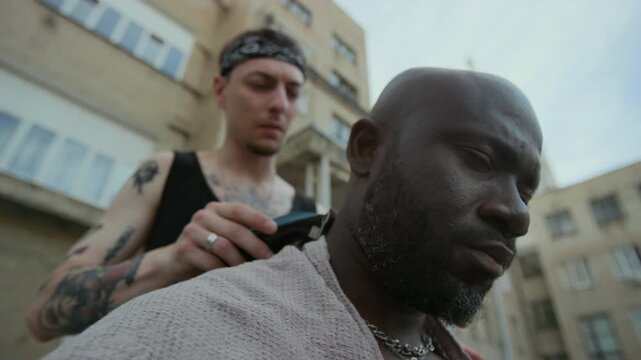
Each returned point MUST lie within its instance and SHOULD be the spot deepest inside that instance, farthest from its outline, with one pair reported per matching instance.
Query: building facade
(578, 277)
(90, 88)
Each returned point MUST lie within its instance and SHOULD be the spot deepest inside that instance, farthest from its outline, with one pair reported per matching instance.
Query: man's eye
(292, 95)
(259, 86)
(478, 159)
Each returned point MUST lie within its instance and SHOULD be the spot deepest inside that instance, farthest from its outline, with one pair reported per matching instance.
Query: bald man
(442, 171)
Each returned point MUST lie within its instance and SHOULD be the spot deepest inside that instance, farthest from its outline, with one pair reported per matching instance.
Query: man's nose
(506, 212)
(280, 101)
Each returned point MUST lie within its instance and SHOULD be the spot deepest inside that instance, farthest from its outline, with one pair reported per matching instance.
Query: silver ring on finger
(209, 242)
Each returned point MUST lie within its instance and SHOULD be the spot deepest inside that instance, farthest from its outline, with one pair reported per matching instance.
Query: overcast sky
(579, 62)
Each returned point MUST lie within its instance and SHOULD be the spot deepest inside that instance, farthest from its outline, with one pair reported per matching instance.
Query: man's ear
(220, 82)
(364, 143)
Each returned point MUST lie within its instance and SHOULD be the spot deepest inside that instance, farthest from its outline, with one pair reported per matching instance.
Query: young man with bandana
(184, 213)
(441, 173)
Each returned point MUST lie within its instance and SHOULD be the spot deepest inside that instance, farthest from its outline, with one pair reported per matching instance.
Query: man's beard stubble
(402, 251)
(262, 150)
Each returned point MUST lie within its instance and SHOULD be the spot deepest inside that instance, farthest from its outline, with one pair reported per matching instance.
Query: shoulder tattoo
(145, 174)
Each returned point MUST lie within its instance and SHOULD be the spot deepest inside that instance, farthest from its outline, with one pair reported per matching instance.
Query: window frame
(544, 315)
(91, 21)
(599, 353)
(560, 223)
(301, 12)
(339, 83)
(527, 260)
(606, 209)
(340, 47)
(581, 268)
(626, 261)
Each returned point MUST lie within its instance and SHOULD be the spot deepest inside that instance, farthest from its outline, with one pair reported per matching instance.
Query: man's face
(441, 215)
(259, 98)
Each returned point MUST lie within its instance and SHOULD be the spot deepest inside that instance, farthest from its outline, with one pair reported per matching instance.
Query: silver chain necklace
(404, 350)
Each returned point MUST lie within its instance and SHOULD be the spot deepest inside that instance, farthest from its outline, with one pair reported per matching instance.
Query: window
(66, 166)
(600, 341)
(82, 10)
(107, 23)
(530, 265)
(94, 184)
(606, 209)
(343, 49)
(8, 126)
(340, 130)
(544, 315)
(172, 63)
(31, 152)
(627, 262)
(152, 37)
(636, 320)
(343, 86)
(579, 274)
(559, 224)
(132, 36)
(299, 10)
(152, 49)
(54, 4)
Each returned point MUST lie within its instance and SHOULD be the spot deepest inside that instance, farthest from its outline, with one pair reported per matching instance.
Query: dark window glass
(172, 63)
(8, 126)
(82, 10)
(108, 23)
(298, 9)
(544, 316)
(131, 37)
(560, 223)
(530, 265)
(599, 338)
(343, 86)
(31, 152)
(100, 169)
(66, 165)
(54, 4)
(606, 209)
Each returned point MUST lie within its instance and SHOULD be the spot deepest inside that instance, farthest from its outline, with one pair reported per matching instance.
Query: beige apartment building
(90, 88)
(578, 277)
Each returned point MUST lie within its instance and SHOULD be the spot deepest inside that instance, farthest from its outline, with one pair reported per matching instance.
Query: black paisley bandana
(255, 47)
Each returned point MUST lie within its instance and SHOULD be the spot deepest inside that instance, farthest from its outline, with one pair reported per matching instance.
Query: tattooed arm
(105, 267)
(103, 271)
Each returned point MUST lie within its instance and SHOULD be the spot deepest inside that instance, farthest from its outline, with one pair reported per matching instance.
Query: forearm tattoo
(271, 203)
(120, 243)
(84, 297)
(145, 174)
(80, 247)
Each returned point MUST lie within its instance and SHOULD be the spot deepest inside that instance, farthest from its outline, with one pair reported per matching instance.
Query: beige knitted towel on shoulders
(287, 307)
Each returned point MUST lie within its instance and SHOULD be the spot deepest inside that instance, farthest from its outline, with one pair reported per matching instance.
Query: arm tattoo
(145, 173)
(272, 204)
(82, 298)
(79, 248)
(122, 241)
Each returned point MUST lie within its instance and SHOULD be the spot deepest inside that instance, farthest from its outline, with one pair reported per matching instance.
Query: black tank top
(186, 191)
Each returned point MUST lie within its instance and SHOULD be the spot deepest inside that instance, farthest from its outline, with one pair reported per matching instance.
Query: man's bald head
(443, 171)
(449, 93)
